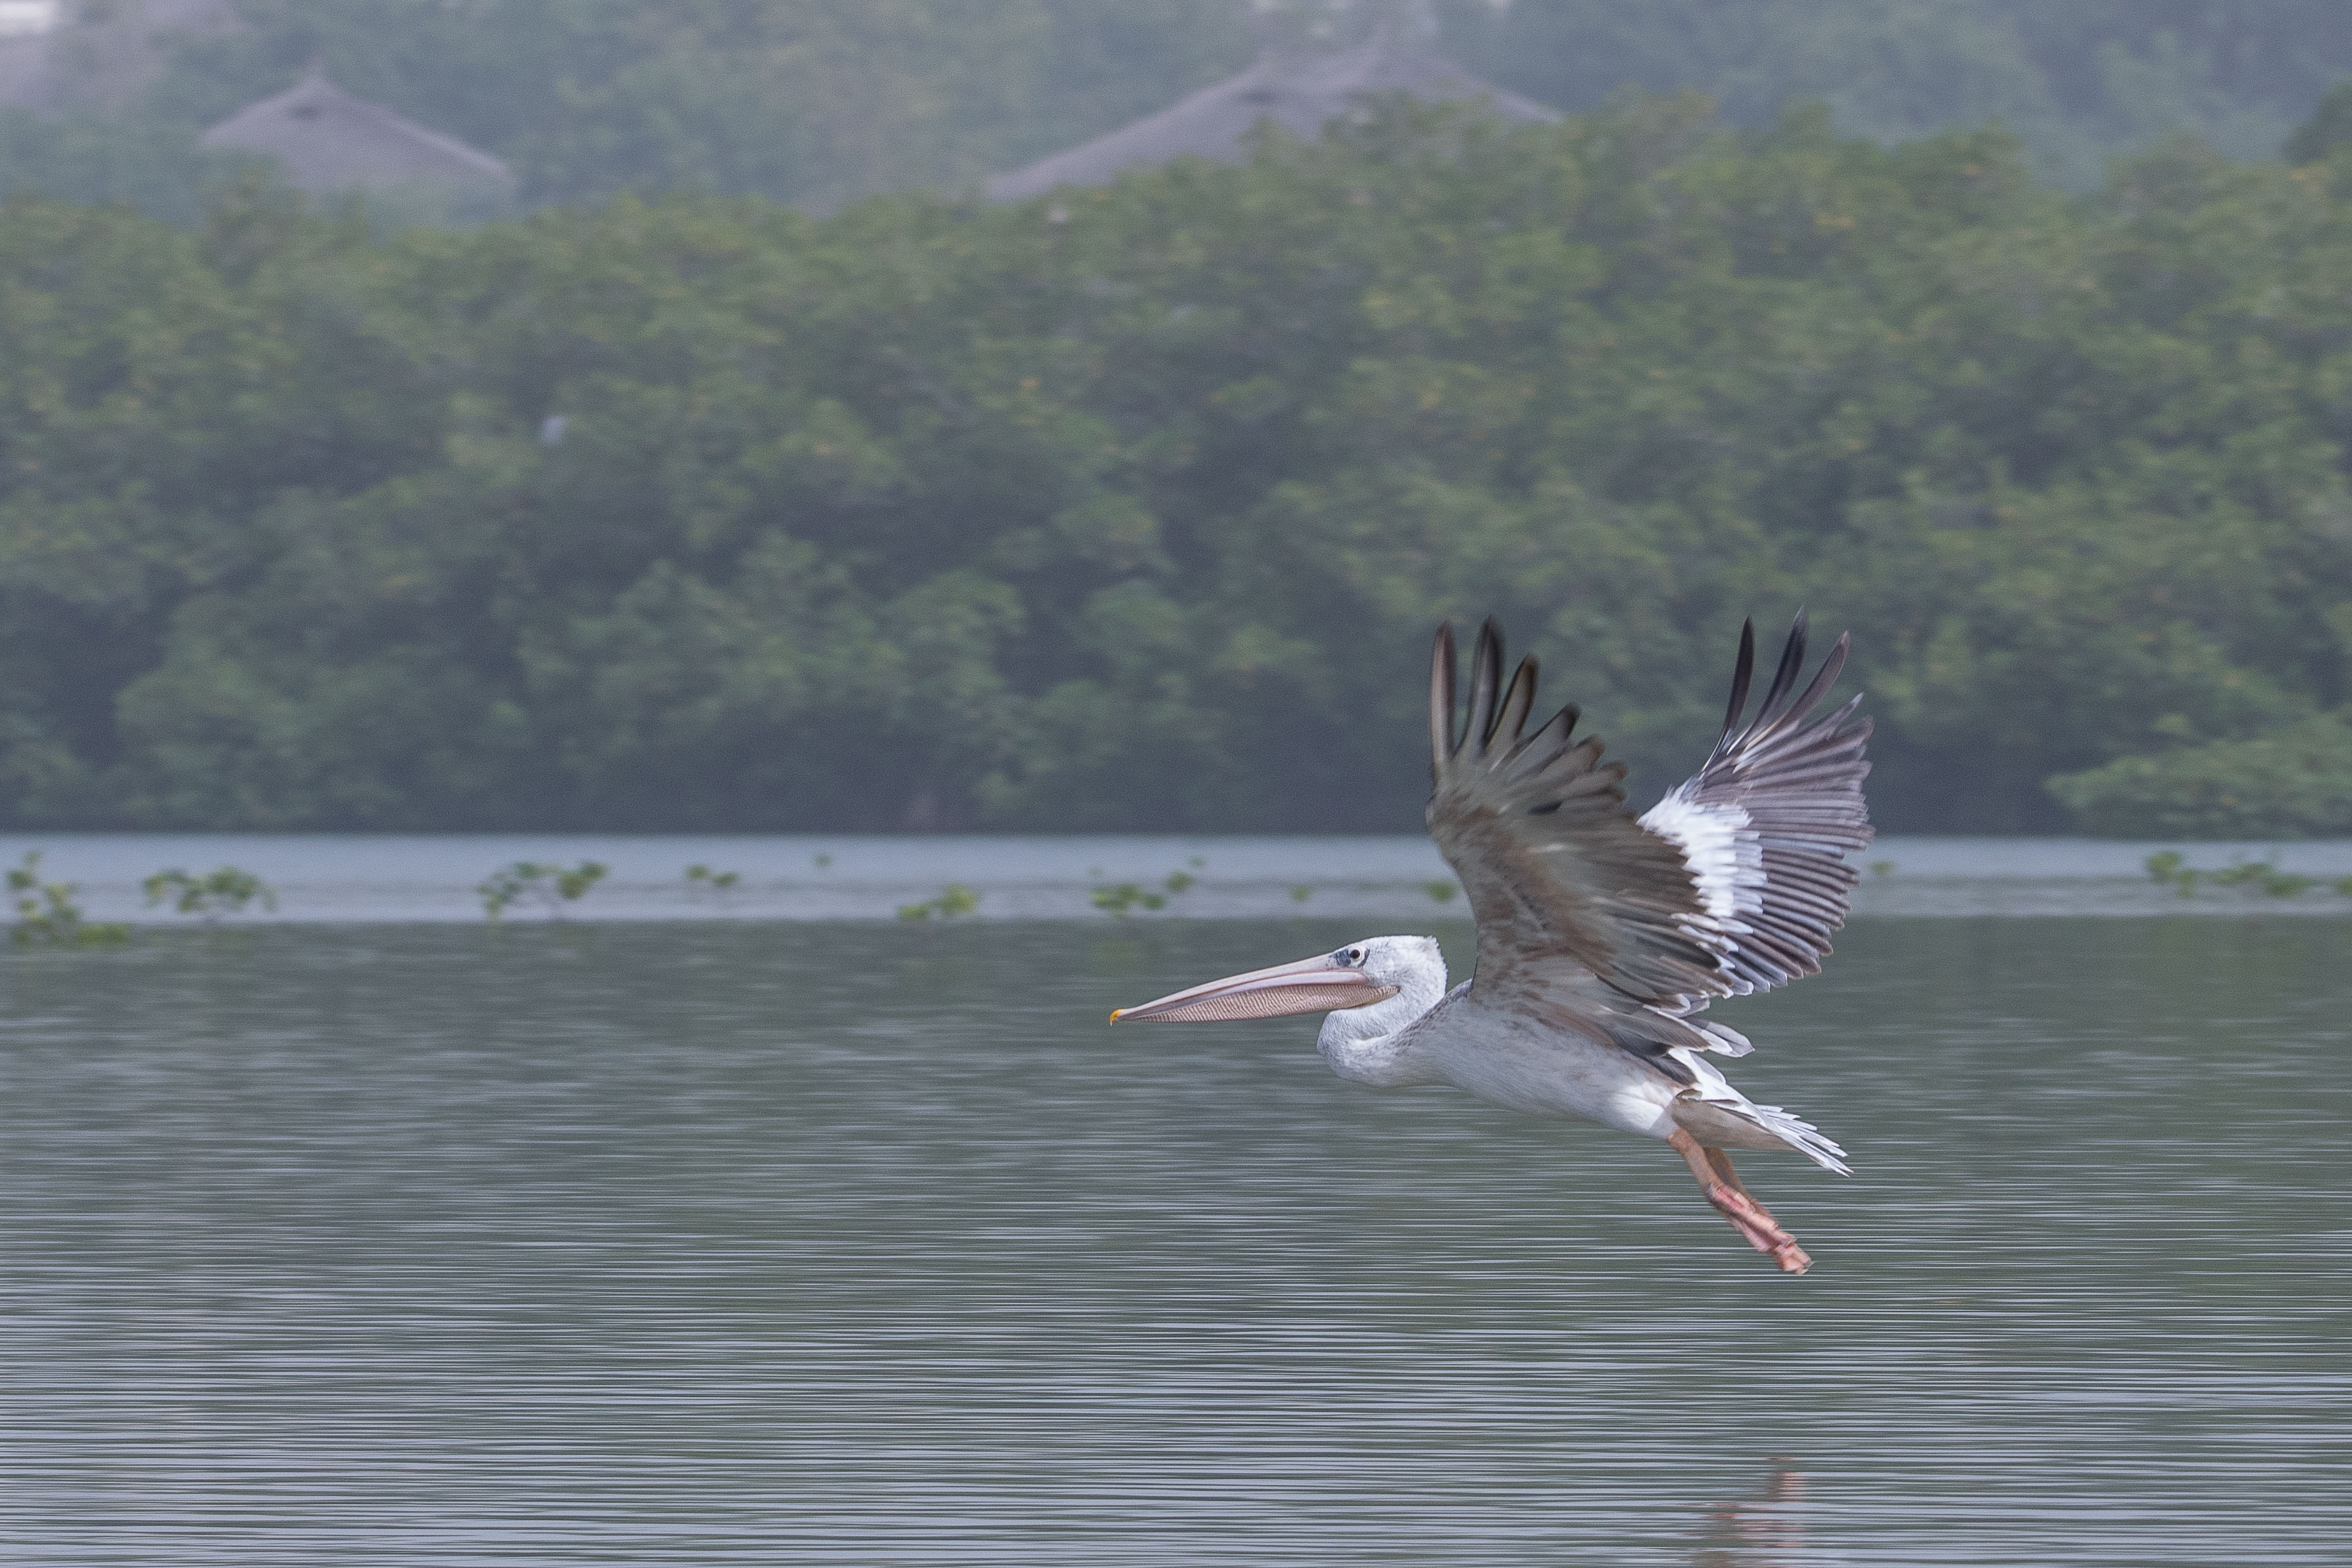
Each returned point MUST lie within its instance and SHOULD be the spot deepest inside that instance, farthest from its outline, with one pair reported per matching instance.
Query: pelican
(1603, 936)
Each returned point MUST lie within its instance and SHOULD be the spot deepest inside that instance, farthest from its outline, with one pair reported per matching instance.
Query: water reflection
(1762, 1530)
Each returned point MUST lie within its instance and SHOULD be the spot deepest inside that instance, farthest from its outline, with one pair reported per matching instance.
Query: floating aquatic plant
(1441, 893)
(227, 891)
(47, 915)
(2170, 867)
(1121, 899)
(2263, 877)
(550, 885)
(2260, 875)
(702, 879)
(955, 899)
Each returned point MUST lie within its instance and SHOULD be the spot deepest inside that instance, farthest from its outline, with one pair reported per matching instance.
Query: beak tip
(1115, 1012)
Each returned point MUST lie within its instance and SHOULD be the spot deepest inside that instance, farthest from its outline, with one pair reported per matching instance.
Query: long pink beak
(1321, 984)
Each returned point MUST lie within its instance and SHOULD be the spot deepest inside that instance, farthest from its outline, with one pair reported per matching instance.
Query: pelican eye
(1351, 956)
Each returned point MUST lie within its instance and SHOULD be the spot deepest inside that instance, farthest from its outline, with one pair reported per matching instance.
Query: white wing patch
(1724, 856)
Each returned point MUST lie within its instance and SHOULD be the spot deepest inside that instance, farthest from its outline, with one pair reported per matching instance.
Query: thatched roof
(329, 140)
(1301, 94)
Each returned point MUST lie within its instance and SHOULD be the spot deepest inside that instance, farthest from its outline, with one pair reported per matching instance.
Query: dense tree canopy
(1135, 508)
(2078, 81)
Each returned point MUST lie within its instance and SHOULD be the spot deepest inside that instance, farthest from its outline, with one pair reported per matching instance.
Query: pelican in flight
(1603, 936)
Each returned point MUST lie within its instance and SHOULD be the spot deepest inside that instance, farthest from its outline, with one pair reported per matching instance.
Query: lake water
(851, 1243)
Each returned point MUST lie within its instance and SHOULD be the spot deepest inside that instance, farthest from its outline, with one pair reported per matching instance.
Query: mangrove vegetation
(1135, 508)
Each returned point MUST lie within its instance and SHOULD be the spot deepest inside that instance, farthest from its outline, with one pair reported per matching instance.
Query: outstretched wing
(1766, 825)
(1731, 884)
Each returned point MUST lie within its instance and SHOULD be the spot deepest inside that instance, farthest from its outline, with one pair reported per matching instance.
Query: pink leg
(1733, 1201)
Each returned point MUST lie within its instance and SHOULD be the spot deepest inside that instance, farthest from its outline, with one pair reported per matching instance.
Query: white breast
(1512, 1061)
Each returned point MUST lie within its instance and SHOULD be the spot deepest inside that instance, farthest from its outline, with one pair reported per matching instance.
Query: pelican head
(1373, 989)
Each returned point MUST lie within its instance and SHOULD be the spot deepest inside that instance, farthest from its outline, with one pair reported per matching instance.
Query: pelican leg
(1732, 1199)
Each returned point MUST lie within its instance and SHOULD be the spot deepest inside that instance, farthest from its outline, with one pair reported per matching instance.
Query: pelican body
(1603, 936)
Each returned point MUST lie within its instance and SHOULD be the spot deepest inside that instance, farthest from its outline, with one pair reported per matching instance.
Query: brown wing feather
(1565, 887)
(1624, 923)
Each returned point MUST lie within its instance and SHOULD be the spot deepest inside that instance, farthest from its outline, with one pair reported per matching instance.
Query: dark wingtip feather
(1823, 678)
(1441, 699)
(1518, 699)
(1485, 686)
(1740, 676)
(1784, 679)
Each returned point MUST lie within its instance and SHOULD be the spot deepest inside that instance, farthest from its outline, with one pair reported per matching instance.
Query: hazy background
(819, 101)
(745, 471)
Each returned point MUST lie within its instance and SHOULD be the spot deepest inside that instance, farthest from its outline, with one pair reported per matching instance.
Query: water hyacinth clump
(47, 915)
(702, 879)
(955, 899)
(2264, 878)
(227, 891)
(2171, 868)
(1119, 899)
(551, 886)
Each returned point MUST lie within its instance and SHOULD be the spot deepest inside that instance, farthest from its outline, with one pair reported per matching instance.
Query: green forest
(1134, 508)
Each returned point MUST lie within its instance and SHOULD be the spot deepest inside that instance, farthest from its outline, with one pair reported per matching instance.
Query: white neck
(1374, 1045)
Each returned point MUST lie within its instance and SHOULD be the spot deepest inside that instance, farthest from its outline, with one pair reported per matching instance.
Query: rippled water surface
(869, 1243)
